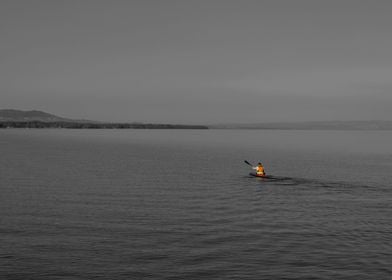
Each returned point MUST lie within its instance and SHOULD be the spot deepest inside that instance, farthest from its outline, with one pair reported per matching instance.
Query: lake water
(179, 204)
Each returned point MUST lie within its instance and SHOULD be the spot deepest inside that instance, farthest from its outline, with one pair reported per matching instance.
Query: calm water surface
(178, 204)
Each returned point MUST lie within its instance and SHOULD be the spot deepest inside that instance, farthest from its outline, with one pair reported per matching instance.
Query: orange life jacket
(260, 170)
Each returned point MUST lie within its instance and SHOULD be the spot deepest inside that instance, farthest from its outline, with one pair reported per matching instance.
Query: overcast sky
(198, 61)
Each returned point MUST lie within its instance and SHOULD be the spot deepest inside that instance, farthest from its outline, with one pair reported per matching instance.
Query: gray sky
(198, 61)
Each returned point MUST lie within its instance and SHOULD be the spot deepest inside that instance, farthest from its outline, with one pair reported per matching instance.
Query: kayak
(260, 176)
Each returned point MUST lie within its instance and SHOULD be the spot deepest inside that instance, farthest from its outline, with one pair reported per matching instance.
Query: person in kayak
(259, 169)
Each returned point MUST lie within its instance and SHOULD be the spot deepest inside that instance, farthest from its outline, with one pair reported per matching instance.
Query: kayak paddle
(248, 163)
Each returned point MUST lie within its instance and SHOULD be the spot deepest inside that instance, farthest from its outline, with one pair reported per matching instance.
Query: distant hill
(10, 118)
(24, 116)
(326, 125)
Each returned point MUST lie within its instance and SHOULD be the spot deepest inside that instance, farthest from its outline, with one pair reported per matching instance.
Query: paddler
(259, 169)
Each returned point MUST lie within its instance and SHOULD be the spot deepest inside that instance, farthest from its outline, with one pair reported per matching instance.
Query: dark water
(136, 204)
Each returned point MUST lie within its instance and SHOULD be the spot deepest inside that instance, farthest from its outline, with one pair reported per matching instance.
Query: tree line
(81, 125)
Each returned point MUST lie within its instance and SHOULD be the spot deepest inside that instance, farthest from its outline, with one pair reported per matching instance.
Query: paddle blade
(247, 162)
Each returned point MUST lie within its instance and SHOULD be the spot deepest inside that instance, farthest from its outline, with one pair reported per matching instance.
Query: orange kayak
(256, 175)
